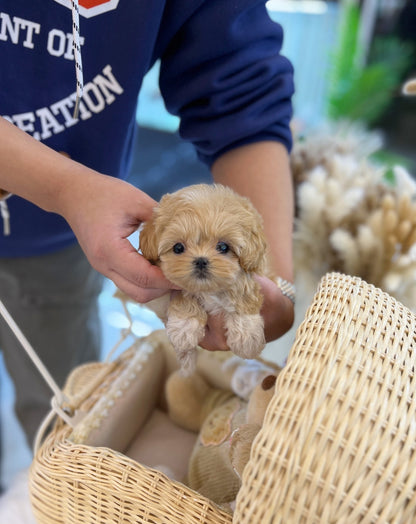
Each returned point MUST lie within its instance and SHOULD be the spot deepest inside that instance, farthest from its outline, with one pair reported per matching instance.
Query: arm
(261, 172)
(102, 211)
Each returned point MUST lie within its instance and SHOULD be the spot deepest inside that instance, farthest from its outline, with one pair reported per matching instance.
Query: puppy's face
(196, 259)
(203, 237)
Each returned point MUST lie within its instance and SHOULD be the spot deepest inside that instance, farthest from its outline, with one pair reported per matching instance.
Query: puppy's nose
(201, 263)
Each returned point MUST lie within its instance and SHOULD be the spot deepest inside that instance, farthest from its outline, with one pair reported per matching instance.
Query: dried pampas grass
(349, 218)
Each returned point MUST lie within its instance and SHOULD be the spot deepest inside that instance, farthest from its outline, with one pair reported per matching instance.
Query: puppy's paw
(245, 335)
(184, 335)
(187, 361)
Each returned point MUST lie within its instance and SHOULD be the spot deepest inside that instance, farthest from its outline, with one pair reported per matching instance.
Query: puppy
(208, 241)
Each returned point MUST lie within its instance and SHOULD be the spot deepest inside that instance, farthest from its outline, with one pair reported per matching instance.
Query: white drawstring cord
(32, 354)
(77, 55)
(60, 404)
(125, 333)
(59, 399)
(5, 215)
(56, 410)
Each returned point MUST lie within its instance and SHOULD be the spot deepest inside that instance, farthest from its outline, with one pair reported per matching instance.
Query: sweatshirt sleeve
(223, 75)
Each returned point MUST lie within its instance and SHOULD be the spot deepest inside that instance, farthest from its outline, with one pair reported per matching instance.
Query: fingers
(215, 337)
(132, 273)
(139, 271)
(136, 293)
(277, 310)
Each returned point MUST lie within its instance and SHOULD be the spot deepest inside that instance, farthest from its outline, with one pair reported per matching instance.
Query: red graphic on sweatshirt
(92, 3)
(91, 8)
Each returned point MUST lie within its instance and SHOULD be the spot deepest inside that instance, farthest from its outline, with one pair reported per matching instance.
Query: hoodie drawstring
(4, 213)
(77, 55)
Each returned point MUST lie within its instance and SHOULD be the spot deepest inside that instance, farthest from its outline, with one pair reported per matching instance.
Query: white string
(42, 430)
(125, 333)
(59, 400)
(77, 55)
(65, 414)
(60, 397)
(5, 215)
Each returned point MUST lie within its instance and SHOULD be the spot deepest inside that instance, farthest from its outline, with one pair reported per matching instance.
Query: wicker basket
(337, 444)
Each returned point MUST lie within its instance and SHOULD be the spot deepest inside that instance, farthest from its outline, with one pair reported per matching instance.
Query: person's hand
(103, 213)
(277, 311)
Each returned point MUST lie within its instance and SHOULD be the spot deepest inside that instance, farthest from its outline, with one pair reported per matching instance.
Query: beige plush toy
(227, 426)
(244, 435)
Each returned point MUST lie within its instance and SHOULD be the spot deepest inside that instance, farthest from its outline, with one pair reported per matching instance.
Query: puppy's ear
(153, 228)
(148, 240)
(253, 251)
(253, 246)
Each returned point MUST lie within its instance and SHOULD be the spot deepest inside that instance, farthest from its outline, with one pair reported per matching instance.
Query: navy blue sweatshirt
(221, 73)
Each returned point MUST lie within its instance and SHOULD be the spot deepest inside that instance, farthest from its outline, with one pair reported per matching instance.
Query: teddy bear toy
(226, 426)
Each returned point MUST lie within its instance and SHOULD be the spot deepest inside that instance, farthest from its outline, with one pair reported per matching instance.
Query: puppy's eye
(178, 248)
(222, 247)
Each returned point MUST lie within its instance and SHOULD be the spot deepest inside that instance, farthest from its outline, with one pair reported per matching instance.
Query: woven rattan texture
(338, 442)
(337, 445)
(78, 484)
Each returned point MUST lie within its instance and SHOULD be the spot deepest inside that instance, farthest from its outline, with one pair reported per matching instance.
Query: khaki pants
(53, 299)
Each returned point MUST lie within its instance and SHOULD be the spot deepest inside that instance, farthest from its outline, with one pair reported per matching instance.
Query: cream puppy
(208, 241)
